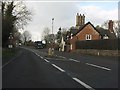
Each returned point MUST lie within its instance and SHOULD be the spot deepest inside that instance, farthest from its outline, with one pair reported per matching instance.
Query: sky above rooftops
(64, 13)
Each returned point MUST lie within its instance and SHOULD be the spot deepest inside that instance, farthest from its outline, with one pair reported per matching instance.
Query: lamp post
(52, 24)
(52, 37)
(51, 49)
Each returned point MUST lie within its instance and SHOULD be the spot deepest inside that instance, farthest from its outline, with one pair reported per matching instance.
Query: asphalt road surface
(32, 69)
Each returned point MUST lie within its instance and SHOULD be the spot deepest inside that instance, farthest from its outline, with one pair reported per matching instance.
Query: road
(32, 69)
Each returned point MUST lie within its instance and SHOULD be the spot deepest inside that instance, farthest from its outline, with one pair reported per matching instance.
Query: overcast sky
(64, 14)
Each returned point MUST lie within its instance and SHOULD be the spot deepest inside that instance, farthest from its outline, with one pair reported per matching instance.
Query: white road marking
(98, 66)
(6, 64)
(74, 60)
(82, 83)
(46, 60)
(41, 57)
(62, 57)
(37, 54)
(58, 59)
(58, 68)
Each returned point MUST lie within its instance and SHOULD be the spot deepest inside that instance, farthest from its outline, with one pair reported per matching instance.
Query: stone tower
(80, 20)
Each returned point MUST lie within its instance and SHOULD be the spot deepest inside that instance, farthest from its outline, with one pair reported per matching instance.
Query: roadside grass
(8, 54)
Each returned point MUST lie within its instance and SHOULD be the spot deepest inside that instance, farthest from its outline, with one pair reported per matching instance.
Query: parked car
(39, 45)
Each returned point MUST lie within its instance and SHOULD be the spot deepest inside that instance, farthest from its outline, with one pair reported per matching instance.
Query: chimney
(83, 19)
(77, 19)
(80, 20)
(110, 26)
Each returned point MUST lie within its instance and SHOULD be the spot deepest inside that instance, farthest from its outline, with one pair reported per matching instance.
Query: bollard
(52, 51)
(49, 52)
(98, 53)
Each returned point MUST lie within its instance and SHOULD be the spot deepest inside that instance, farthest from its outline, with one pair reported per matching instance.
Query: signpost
(10, 46)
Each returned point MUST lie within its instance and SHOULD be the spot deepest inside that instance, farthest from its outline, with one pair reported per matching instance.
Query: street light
(52, 24)
(51, 49)
(52, 37)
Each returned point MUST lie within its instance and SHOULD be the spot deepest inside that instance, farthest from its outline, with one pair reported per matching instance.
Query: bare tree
(116, 26)
(45, 34)
(26, 36)
(64, 30)
(15, 15)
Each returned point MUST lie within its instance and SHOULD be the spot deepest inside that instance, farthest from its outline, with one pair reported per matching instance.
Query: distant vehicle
(39, 45)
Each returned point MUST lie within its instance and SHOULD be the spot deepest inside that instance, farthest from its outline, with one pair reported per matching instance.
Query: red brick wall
(88, 30)
(73, 41)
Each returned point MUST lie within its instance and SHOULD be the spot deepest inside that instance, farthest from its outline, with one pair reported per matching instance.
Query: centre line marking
(82, 83)
(74, 60)
(58, 68)
(62, 57)
(98, 66)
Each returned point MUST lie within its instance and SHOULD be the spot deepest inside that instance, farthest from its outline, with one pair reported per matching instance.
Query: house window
(88, 37)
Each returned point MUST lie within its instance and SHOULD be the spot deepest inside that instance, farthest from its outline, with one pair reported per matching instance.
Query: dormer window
(88, 37)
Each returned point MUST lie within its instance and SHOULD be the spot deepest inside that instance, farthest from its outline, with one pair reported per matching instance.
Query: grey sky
(64, 14)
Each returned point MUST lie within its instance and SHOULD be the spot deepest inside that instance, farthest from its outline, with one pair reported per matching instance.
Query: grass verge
(8, 54)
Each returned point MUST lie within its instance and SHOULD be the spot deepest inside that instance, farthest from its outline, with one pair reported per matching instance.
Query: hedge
(107, 44)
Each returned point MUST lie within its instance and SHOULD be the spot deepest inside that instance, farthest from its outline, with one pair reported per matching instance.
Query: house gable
(88, 32)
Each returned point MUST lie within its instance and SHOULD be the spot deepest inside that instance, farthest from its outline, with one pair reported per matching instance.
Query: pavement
(32, 69)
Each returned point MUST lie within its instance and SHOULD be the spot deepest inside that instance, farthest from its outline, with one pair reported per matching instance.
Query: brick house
(87, 31)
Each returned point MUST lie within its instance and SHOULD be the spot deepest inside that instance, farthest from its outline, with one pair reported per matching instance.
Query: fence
(110, 44)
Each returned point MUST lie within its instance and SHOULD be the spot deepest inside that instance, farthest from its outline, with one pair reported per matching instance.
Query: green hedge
(110, 44)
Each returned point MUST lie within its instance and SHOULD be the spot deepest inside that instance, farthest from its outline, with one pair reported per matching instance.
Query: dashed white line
(98, 66)
(62, 57)
(41, 57)
(84, 84)
(37, 54)
(74, 60)
(46, 60)
(58, 68)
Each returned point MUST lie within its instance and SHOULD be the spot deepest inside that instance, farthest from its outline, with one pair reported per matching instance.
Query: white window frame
(88, 37)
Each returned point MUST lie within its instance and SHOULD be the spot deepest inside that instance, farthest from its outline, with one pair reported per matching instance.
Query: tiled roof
(74, 31)
(101, 31)
(104, 32)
